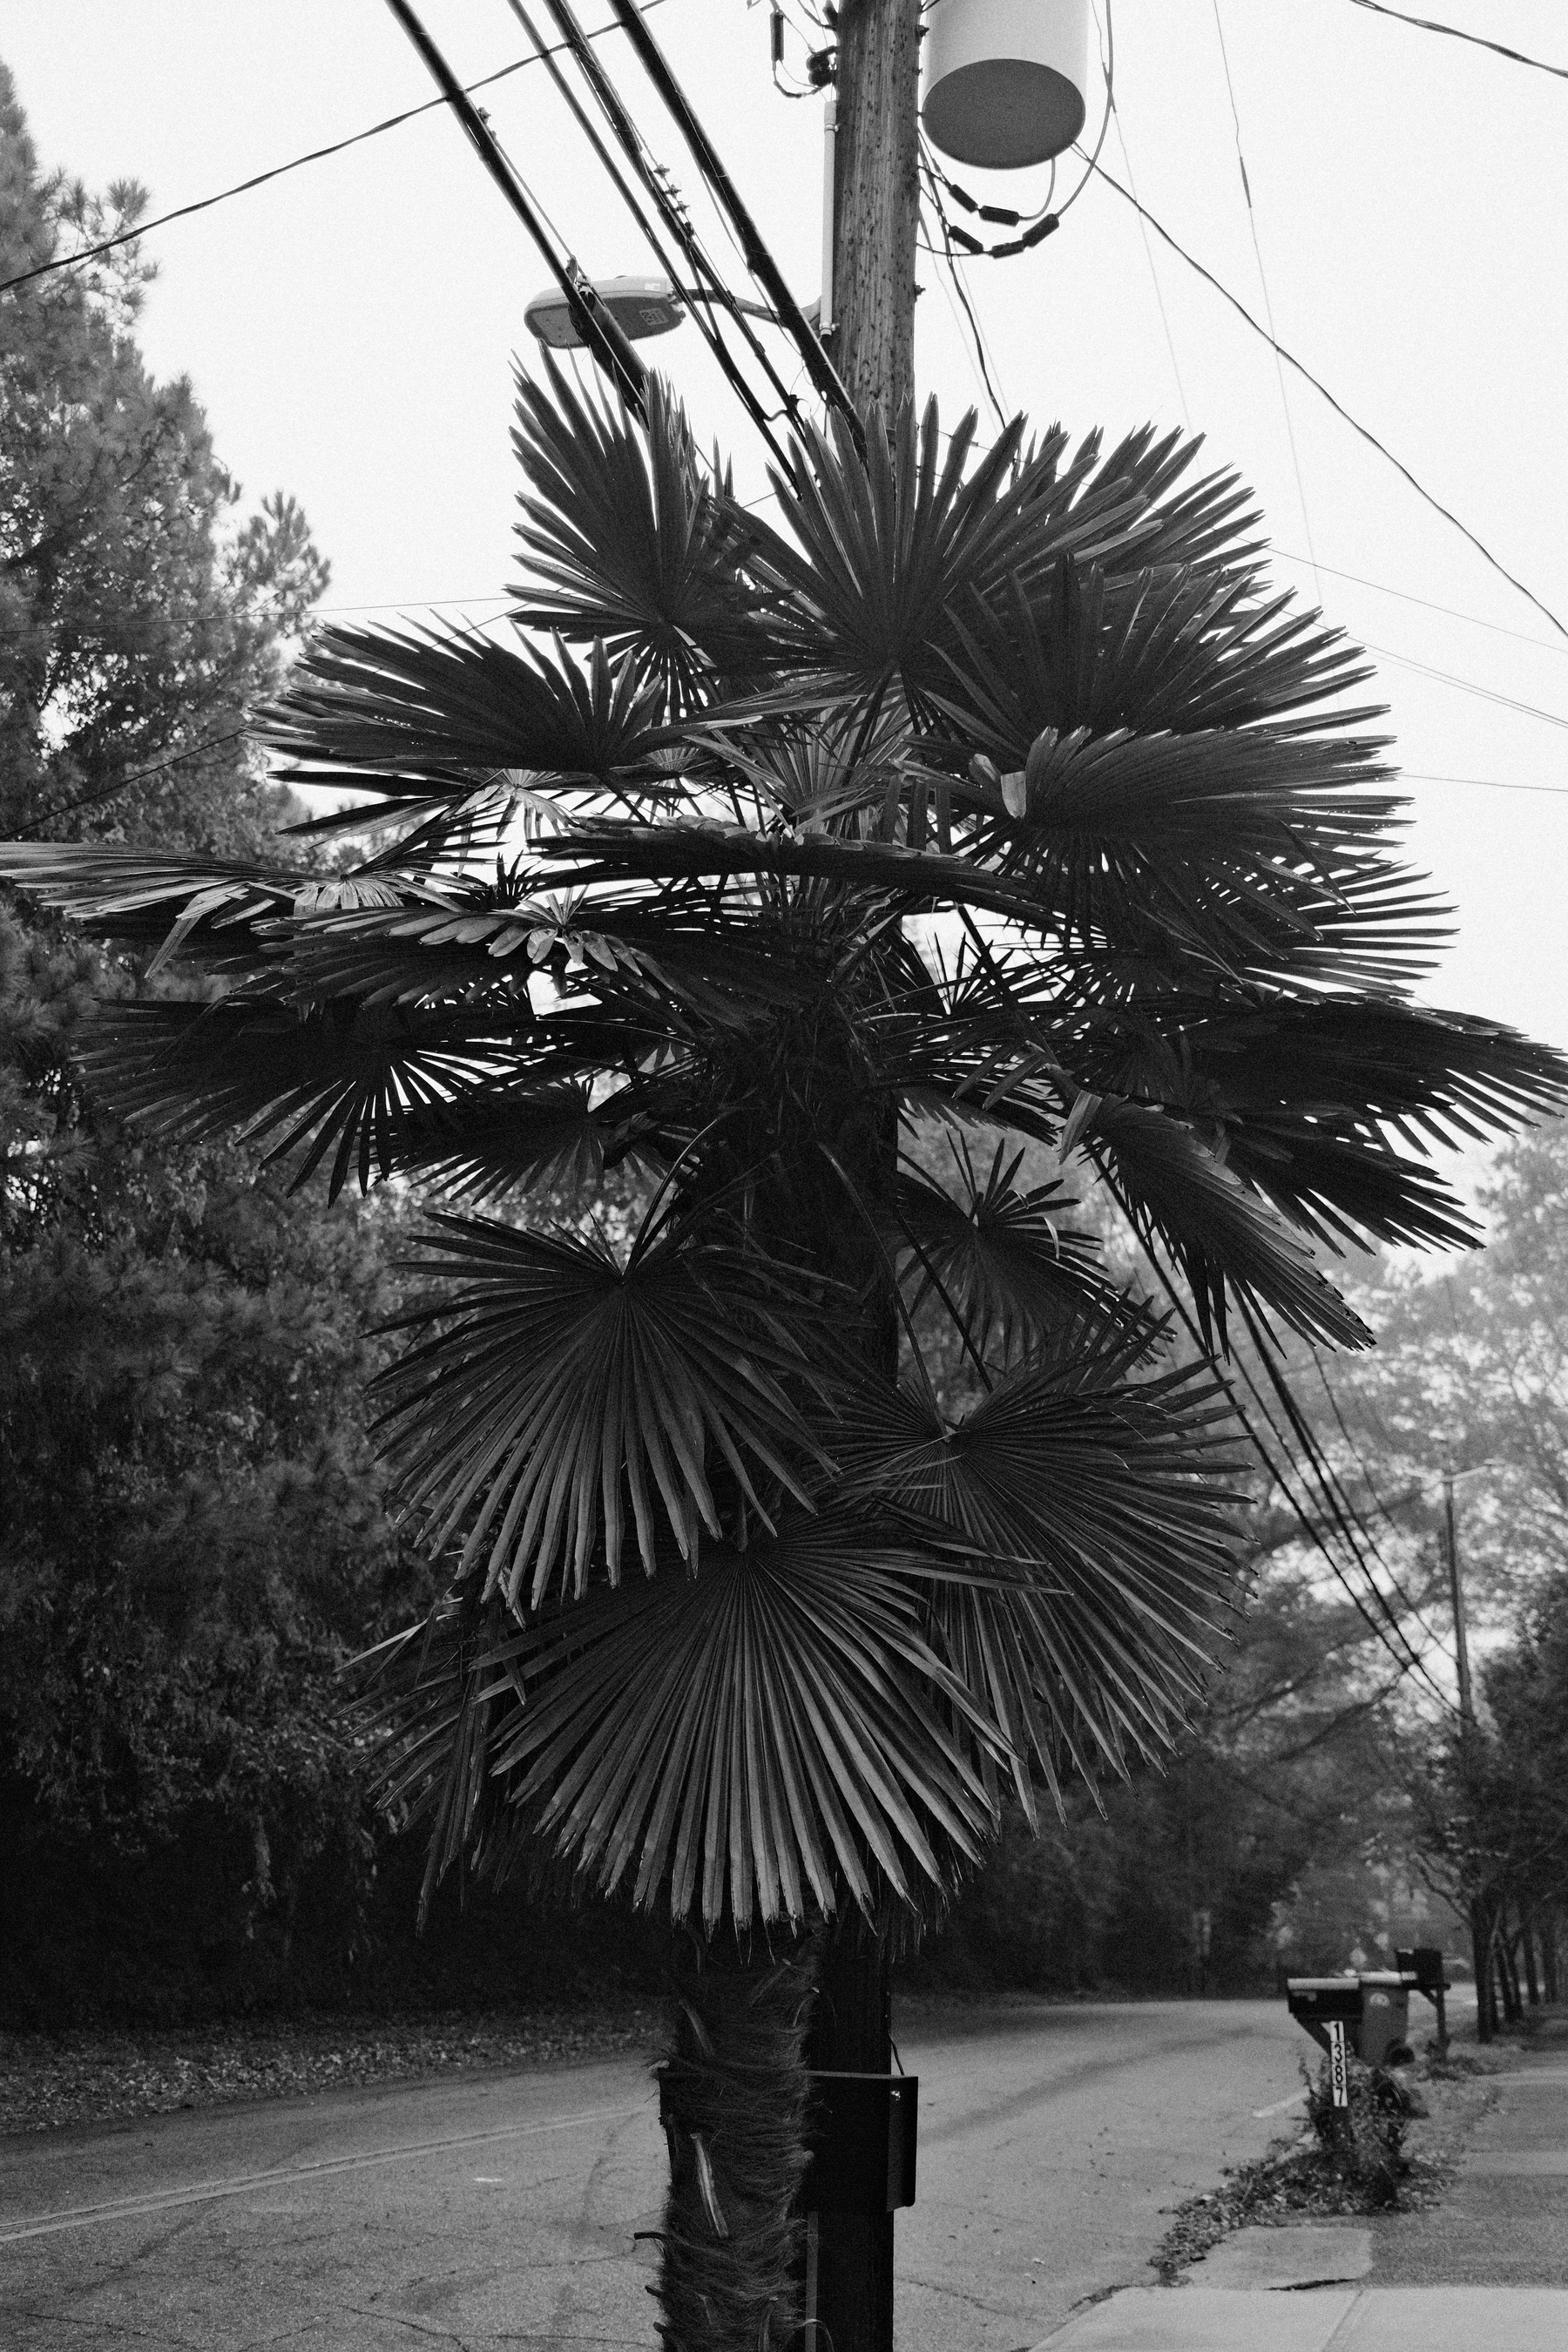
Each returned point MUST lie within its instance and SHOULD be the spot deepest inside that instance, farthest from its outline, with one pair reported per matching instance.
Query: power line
(1468, 686)
(1499, 628)
(316, 155)
(667, 202)
(1454, 33)
(136, 776)
(759, 260)
(1149, 257)
(1268, 299)
(591, 320)
(976, 340)
(1486, 783)
(1338, 407)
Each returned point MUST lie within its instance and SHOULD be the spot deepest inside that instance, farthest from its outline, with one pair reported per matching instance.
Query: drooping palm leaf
(556, 1377)
(1091, 1499)
(754, 1738)
(338, 1080)
(1223, 1237)
(365, 703)
(183, 906)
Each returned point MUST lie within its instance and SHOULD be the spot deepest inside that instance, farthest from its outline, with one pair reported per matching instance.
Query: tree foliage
(193, 1528)
(650, 899)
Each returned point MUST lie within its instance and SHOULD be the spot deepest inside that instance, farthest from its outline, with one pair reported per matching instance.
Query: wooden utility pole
(877, 182)
(876, 207)
(1457, 1595)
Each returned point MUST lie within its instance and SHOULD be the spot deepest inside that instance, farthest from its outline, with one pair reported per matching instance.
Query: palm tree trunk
(733, 2100)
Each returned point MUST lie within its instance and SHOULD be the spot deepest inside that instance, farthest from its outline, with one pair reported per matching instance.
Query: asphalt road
(502, 2210)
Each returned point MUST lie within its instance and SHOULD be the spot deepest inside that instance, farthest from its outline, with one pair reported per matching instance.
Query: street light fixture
(640, 307)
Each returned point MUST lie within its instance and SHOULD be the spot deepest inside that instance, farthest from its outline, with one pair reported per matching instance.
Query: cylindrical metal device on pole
(1006, 82)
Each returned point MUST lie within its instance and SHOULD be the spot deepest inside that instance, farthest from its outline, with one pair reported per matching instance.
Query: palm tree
(790, 888)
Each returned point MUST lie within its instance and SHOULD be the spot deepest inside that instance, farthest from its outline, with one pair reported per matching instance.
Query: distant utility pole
(876, 207)
(1457, 1595)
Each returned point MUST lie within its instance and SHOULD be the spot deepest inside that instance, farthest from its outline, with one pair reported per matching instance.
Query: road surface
(502, 2210)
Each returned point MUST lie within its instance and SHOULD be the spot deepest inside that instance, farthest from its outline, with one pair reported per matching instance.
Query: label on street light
(1339, 2071)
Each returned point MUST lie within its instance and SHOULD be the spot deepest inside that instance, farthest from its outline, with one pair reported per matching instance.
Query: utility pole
(1457, 1595)
(875, 184)
(877, 206)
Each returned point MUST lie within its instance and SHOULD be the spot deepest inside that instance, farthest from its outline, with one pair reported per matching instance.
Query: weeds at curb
(1348, 2162)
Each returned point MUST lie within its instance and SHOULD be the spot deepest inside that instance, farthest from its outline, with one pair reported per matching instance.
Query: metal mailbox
(1318, 2002)
(1373, 2007)
(861, 2131)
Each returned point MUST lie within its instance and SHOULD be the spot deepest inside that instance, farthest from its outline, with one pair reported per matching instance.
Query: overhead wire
(1149, 257)
(1457, 33)
(1468, 685)
(278, 171)
(758, 258)
(1405, 596)
(1268, 299)
(620, 123)
(1365, 431)
(667, 202)
(594, 323)
(1108, 68)
(976, 340)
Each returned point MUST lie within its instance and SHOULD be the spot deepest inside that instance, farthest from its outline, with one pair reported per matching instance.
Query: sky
(352, 327)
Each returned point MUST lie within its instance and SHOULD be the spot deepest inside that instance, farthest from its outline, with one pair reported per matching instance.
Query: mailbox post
(1424, 1965)
(862, 2132)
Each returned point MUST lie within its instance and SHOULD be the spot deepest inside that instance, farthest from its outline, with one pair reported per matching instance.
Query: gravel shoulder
(50, 2080)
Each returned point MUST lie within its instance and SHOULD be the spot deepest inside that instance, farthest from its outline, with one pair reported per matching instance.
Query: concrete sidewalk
(1489, 2266)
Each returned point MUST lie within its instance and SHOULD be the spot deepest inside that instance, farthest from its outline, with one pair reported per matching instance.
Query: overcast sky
(351, 327)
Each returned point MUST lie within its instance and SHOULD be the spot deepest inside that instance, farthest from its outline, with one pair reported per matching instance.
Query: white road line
(201, 2193)
(1282, 2107)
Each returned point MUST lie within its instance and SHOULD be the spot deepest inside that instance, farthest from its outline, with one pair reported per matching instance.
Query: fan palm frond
(337, 1079)
(1002, 1256)
(438, 705)
(1222, 1237)
(130, 894)
(767, 1736)
(556, 1377)
(1089, 1498)
(626, 543)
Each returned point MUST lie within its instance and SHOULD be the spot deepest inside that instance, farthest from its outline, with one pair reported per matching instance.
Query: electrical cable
(596, 328)
(704, 324)
(1108, 68)
(1468, 685)
(1409, 1660)
(1267, 301)
(124, 784)
(976, 340)
(1476, 40)
(278, 171)
(546, 56)
(1452, 612)
(1149, 257)
(759, 260)
(1338, 407)
(666, 199)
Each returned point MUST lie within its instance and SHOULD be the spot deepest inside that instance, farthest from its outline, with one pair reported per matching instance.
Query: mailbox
(1373, 2009)
(1318, 2002)
(861, 2132)
(1425, 1963)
